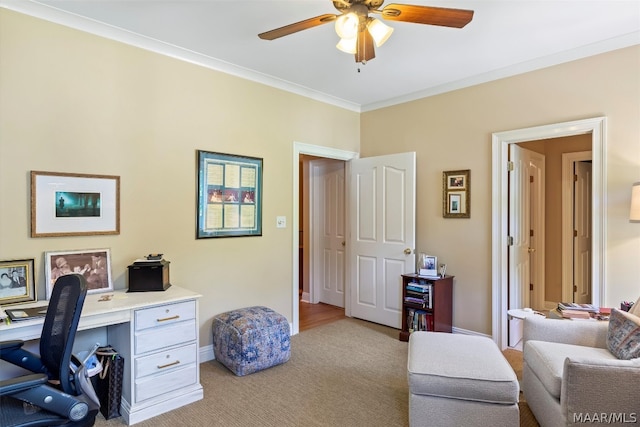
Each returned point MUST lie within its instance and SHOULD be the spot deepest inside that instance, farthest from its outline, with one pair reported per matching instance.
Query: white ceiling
(505, 37)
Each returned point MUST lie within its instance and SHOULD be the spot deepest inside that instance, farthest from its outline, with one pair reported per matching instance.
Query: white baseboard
(206, 353)
(468, 332)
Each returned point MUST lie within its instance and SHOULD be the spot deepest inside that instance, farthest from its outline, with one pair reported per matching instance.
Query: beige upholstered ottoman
(460, 380)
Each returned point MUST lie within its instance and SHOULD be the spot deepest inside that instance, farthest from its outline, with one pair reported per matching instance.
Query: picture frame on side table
(93, 264)
(456, 194)
(229, 195)
(73, 204)
(428, 265)
(17, 283)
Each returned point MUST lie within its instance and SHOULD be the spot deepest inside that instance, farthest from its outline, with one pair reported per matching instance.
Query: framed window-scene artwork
(93, 264)
(229, 195)
(456, 194)
(16, 281)
(72, 204)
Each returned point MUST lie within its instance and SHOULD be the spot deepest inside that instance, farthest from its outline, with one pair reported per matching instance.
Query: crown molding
(621, 42)
(51, 14)
(91, 26)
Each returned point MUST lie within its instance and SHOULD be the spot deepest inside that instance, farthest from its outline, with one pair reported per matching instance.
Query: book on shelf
(420, 287)
(578, 307)
(16, 314)
(419, 320)
(417, 293)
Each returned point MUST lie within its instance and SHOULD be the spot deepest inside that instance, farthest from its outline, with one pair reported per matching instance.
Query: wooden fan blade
(298, 26)
(365, 50)
(444, 17)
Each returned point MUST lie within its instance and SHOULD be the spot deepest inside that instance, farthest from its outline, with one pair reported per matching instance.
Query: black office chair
(58, 391)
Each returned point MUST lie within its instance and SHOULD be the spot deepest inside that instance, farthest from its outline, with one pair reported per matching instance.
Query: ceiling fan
(359, 32)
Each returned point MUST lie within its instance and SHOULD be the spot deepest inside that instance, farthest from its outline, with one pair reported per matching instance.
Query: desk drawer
(165, 361)
(155, 385)
(165, 336)
(164, 315)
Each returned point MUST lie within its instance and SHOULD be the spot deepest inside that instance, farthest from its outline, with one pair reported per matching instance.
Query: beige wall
(453, 131)
(74, 102)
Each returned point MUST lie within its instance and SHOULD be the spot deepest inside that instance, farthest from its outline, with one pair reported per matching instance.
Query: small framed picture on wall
(456, 194)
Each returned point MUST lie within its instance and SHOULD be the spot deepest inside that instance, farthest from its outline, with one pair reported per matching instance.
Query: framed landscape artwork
(72, 204)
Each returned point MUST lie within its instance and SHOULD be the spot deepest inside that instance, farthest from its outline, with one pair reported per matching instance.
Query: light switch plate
(281, 222)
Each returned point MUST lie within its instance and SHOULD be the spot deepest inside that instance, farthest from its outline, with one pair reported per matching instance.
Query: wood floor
(312, 315)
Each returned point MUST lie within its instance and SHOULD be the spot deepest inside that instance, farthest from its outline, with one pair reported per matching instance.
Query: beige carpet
(346, 373)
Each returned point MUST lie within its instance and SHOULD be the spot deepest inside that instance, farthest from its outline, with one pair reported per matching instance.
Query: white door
(519, 228)
(382, 234)
(582, 233)
(537, 234)
(328, 228)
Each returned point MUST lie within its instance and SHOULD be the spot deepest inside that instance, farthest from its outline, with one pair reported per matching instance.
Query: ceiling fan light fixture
(379, 31)
(347, 25)
(348, 45)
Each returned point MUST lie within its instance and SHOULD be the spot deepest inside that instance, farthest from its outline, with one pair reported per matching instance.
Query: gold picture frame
(73, 204)
(17, 283)
(456, 194)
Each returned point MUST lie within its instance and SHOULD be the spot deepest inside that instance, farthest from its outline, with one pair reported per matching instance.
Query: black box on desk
(149, 276)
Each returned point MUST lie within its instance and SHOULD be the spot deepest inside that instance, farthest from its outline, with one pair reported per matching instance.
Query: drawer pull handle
(168, 364)
(168, 318)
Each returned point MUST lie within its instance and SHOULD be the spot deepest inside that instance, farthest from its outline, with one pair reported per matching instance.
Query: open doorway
(322, 234)
(558, 235)
(378, 188)
(595, 128)
(302, 153)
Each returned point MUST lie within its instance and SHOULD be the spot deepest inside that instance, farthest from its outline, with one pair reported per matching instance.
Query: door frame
(499, 210)
(318, 151)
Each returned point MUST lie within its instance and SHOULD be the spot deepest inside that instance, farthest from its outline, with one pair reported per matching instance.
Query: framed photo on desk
(93, 264)
(16, 281)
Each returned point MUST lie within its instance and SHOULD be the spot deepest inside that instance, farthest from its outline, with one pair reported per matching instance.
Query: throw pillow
(623, 336)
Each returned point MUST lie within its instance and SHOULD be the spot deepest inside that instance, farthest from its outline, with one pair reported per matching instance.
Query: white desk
(156, 333)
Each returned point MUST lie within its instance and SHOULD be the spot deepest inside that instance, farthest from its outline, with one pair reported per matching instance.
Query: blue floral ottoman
(251, 339)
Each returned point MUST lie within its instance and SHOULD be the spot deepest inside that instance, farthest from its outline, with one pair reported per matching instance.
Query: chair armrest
(24, 382)
(577, 332)
(607, 388)
(7, 346)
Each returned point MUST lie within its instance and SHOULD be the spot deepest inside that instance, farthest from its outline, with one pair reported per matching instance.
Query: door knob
(531, 250)
(343, 243)
(407, 251)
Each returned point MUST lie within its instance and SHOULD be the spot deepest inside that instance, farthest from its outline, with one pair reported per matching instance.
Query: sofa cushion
(546, 360)
(623, 336)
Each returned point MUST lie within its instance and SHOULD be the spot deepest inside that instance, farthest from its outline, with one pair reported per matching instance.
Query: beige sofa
(571, 378)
